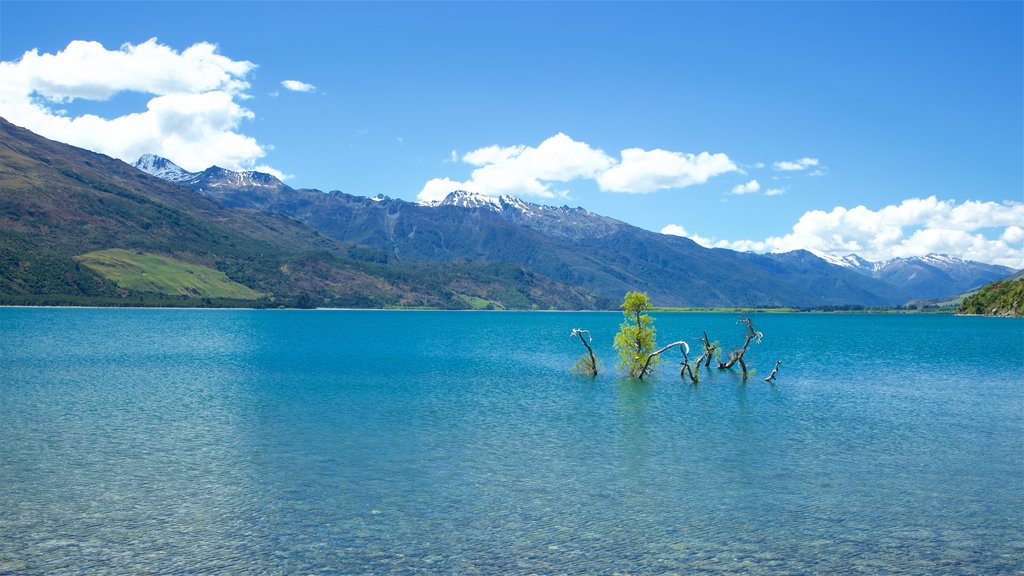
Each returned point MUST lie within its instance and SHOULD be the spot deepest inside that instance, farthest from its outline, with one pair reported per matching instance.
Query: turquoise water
(280, 442)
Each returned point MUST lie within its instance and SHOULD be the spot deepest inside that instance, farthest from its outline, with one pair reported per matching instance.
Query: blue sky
(912, 110)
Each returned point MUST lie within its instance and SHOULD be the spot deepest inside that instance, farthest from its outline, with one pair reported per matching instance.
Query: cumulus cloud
(643, 171)
(297, 86)
(193, 117)
(528, 170)
(914, 227)
(523, 170)
(795, 165)
(748, 188)
(774, 191)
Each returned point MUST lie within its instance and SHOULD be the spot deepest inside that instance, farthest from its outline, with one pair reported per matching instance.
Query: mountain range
(579, 247)
(80, 227)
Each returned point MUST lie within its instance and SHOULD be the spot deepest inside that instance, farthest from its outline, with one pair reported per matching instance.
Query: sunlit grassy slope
(146, 272)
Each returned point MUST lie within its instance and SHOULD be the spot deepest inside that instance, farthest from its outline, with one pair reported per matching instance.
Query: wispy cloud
(795, 165)
(298, 86)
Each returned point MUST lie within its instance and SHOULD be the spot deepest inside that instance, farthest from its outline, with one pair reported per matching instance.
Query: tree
(737, 354)
(586, 365)
(635, 340)
(710, 352)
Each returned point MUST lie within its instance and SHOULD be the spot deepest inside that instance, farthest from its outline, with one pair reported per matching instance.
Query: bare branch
(683, 346)
(771, 377)
(592, 367)
(737, 355)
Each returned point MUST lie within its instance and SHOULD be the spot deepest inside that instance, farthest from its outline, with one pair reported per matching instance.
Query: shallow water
(279, 442)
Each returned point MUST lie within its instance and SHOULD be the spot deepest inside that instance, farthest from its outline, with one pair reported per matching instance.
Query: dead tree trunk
(583, 365)
(737, 355)
(771, 377)
(686, 370)
(682, 346)
(709, 351)
(705, 357)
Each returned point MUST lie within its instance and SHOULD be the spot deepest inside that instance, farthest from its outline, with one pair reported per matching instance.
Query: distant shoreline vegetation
(300, 303)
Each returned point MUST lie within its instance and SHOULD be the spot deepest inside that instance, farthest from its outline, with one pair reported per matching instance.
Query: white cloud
(524, 170)
(193, 117)
(643, 171)
(437, 188)
(1013, 235)
(273, 172)
(914, 227)
(795, 165)
(748, 188)
(298, 86)
(492, 155)
(677, 230)
(774, 191)
(528, 170)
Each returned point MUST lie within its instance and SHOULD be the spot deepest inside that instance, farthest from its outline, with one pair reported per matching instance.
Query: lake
(375, 442)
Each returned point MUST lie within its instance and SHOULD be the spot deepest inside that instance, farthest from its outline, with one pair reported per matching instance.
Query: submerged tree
(654, 356)
(710, 351)
(587, 363)
(737, 354)
(771, 377)
(635, 339)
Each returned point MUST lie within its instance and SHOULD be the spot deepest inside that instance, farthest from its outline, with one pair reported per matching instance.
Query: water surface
(279, 442)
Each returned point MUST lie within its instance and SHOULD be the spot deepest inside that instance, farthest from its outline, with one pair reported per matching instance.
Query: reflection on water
(297, 442)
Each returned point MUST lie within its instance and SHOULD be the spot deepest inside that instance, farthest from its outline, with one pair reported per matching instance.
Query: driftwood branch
(771, 377)
(682, 346)
(592, 368)
(737, 355)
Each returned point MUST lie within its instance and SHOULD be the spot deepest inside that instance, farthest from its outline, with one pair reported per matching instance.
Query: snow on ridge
(466, 199)
(855, 262)
(162, 168)
(851, 261)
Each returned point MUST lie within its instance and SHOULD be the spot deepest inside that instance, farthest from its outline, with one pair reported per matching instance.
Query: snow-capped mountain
(212, 177)
(929, 276)
(573, 223)
(851, 261)
(217, 177)
(216, 182)
(581, 248)
(163, 168)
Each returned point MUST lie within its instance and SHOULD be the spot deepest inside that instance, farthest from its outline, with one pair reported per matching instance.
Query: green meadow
(145, 272)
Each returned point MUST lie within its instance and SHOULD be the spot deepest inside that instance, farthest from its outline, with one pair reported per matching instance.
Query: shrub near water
(1000, 298)
(636, 337)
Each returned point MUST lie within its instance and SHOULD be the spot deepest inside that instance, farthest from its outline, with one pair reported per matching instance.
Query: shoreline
(711, 310)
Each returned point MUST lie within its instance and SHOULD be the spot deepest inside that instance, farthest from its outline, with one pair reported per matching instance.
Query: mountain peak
(162, 168)
(465, 199)
(212, 177)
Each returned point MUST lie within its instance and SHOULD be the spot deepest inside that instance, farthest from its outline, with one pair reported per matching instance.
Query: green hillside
(144, 272)
(1000, 298)
(58, 202)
